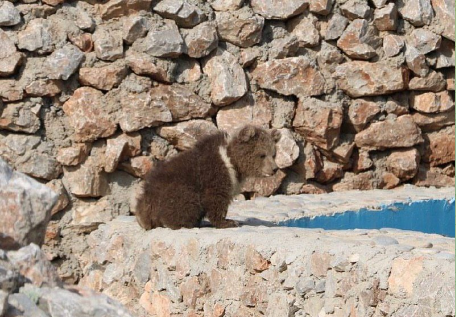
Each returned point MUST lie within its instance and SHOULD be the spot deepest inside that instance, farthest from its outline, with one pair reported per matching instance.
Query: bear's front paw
(227, 223)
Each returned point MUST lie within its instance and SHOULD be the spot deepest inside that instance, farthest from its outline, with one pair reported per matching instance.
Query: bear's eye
(263, 156)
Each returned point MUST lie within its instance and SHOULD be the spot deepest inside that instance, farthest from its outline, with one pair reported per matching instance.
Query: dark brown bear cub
(202, 182)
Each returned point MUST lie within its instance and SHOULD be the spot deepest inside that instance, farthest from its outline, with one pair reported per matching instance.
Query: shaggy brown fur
(201, 182)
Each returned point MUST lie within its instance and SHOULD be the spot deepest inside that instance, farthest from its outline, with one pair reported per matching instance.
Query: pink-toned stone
(433, 121)
(449, 78)
(118, 8)
(184, 135)
(430, 102)
(11, 90)
(280, 48)
(389, 181)
(57, 187)
(188, 71)
(445, 56)
(36, 37)
(119, 148)
(417, 12)
(439, 146)
(74, 155)
(200, 40)
(287, 151)
(361, 161)
(309, 162)
(44, 88)
(144, 64)
(361, 112)
(247, 110)
(228, 82)
(424, 41)
(194, 288)
(20, 117)
(137, 166)
(53, 2)
(403, 163)
(318, 122)
(304, 27)
(320, 263)
(392, 44)
(86, 180)
(88, 115)
(330, 171)
(242, 28)
(254, 261)
(432, 176)
(134, 27)
(342, 152)
(358, 39)
(103, 78)
(416, 61)
(433, 81)
(322, 7)
(444, 16)
(163, 40)
(290, 76)
(277, 9)
(353, 9)
(185, 13)
(226, 5)
(313, 188)
(351, 181)
(385, 19)
(183, 103)
(404, 272)
(83, 41)
(10, 59)
(401, 132)
(265, 186)
(359, 78)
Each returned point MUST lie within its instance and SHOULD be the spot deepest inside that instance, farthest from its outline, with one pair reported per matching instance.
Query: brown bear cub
(202, 182)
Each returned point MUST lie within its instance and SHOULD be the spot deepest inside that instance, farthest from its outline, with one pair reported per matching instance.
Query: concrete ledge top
(280, 208)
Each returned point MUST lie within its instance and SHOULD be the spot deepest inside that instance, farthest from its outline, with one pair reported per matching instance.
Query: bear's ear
(276, 135)
(247, 133)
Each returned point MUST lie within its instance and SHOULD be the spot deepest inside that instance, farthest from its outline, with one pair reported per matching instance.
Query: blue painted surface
(429, 216)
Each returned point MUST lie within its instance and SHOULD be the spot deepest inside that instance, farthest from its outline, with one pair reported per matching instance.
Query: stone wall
(93, 93)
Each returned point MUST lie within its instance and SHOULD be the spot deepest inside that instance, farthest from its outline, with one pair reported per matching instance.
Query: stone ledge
(277, 271)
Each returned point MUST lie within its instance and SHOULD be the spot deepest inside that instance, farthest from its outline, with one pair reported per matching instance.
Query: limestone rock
(88, 115)
(429, 176)
(439, 146)
(63, 62)
(134, 27)
(401, 132)
(304, 27)
(403, 163)
(40, 165)
(20, 117)
(138, 166)
(201, 40)
(10, 59)
(242, 28)
(265, 186)
(44, 88)
(183, 12)
(62, 201)
(351, 181)
(246, 110)
(433, 81)
(322, 7)
(330, 171)
(336, 27)
(385, 19)
(119, 148)
(361, 161)
(430, 102)
(417, 12)
(103, 78)
(279, 48)
(361, 112)
(181, 102)
(392, 44)
(184, 135)
(358, 40)
(309, 161)
(359, 78)
(9, 15)
(11, 90)
(433, 121)
(416, 61)
(287, 151)
(86, 180)
(353, 9)
(144, 64)
(290, 76)
(444, 15)
(226, 5)
(342, 152)
(164, 40)
(389, 181)
(228, 82)
(424, 41)
(25, 209)
(444, 56)
(118, 8)
(83, 41)
(74, 155)
(277, 9)
(36, 36)
(108, 44)
(319, 122)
